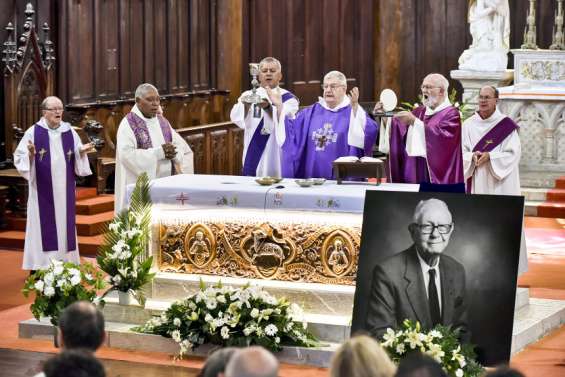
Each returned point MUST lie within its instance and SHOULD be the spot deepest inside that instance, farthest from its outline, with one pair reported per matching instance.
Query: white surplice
(34, 256)
(498, 176)
(270, 162)
(132, 161)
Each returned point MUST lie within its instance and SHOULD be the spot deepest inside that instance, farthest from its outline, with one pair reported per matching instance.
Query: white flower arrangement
(441, 343)
(61, 284)
(231, 316)
(122, 256)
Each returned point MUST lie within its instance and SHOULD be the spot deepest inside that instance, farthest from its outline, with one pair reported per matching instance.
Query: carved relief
(261, 250)
(543, 70)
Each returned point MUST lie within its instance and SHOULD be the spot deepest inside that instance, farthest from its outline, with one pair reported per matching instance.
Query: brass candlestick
(530, 29)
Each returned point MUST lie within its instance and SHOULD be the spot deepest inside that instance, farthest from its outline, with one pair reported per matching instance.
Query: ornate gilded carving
(262, 250)
(539, 70)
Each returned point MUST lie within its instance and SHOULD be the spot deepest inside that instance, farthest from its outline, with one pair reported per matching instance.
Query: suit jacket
(398, 292)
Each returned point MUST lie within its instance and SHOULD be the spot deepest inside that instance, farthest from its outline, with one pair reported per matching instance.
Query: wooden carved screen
(28, 76)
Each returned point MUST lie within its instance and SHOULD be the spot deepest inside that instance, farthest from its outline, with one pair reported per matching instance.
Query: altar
(298, 242)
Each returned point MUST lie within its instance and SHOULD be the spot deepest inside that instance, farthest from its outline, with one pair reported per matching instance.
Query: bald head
(52, 110)
(252, 362)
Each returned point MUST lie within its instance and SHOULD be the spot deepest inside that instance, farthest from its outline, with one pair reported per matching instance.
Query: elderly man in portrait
(146, 142)
(491, 154)
(333, 127)
(421, 283)
(261, 154)
(50, 156)
(424, 145)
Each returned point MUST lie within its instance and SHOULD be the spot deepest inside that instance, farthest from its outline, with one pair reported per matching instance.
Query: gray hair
(252, 362)
(425, 205)
(270, 59)
(440, 79)
(337, 75)
(45, 102)
(142, 90)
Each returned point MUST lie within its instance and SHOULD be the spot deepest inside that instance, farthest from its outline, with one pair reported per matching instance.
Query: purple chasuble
(316, 137)
(45, 188)
(444, 162)
(257, 145)
(492, 139)
(141, 132)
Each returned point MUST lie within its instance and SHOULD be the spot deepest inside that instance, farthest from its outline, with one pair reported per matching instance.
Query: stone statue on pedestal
(490, 28)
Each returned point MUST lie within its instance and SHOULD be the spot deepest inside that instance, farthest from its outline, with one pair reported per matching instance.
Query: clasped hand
(480, 158)
(170, 150)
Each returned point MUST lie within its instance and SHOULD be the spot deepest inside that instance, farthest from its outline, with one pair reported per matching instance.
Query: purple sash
(45, 189)
(492, 139)
(257, 145)
(141, 132)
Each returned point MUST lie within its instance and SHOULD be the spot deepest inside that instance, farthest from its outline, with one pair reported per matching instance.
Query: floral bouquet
(122, 256)
(230, 316)
(61, 284)
(441, 343)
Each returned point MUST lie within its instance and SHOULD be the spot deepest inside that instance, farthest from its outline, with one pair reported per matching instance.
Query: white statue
(490, 28)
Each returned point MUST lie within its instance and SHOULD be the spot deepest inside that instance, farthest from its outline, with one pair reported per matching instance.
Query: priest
(50, 156)
(333, 127)
(146, 142)
(425, 144)
(491, 149)
(261, 154)
(491, 154)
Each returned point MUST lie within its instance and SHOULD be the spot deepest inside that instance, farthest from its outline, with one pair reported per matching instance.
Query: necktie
(433, 299)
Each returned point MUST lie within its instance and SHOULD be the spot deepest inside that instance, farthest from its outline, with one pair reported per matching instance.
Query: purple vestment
(316, 137)
(492, 139)
(44, 178)
(141, 132)
(257, 145)
(444, 161)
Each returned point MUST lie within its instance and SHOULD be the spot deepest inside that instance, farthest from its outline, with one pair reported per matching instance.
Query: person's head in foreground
(252, 362)
(216, 363)
(504, 371)
(81, 325)
(416, 364)
(74, 363)
(361, 356)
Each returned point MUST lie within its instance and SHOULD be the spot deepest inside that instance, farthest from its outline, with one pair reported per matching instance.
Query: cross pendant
(42, 151)
(69, 154)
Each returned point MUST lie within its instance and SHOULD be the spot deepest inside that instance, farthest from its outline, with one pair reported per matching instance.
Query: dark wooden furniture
(372, 169)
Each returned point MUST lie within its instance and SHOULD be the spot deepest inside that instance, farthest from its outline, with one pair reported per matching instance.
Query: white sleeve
(356, 132)
(384, 135)
(82, 165)
(136, 160)
(467, 149)
(22, 161)
(416, 139)
(505, 157)
(280, 126)
(290, 107)
(237, 114)
(184, 157)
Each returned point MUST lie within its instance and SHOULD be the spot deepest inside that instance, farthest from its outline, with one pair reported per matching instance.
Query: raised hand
(170, 150)
(275, 97)
(87, 148)
(405, 117)
(31, 149)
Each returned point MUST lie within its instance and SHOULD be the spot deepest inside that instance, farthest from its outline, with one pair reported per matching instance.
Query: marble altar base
(473, 81)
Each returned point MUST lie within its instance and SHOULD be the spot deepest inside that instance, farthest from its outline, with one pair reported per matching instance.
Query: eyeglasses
(428, 87)
(331, 86)
(429, 228)
(55, 109)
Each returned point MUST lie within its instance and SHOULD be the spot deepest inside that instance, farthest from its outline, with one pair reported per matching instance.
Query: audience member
(74, 363)
(216, 363)
(252, 362)
(361, 356)
(81, 325)
(416, 364)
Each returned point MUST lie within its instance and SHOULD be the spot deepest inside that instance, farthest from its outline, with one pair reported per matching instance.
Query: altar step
(544, 195)
(94, 212)
(533, 319)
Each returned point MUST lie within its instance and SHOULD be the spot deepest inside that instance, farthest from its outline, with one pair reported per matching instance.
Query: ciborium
(253, 98)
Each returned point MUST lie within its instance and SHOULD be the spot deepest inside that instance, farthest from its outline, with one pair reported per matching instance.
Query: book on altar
(357, 159)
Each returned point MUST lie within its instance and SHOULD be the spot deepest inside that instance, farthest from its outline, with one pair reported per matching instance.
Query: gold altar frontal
(312, 247)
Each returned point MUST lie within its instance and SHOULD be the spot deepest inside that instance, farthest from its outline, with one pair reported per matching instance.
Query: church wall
(107, 48)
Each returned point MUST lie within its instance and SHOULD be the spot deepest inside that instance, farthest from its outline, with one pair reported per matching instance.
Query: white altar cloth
(243, 192)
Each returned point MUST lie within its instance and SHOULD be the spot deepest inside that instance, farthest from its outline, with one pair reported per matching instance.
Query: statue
(490, 28)
(200, 249)
(338, 260)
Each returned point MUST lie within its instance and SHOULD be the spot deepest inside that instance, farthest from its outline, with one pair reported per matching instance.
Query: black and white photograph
(440, 258)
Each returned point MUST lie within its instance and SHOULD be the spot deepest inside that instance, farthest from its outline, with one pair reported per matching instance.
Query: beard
(430, 101)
